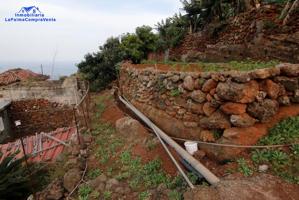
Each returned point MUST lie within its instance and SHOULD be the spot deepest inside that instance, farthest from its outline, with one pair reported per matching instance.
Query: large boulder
(127, 125)
(290, 84)
(265, 73)
(263, 110)
(233, 108)
(188, 83)
(198, 96)
(272, 89)
(232, 187)
(208, 109)
(209, 85)
(54, 191)
(288, 69)
(196, 108)
(217, 120)
(97, 181)
(238, 92)
(243, 120)
(71, 179)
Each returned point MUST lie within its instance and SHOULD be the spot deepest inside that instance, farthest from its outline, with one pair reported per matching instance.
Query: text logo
(30, 14)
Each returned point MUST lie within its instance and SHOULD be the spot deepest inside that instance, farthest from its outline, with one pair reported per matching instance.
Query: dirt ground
(233, 184)
(114, 112)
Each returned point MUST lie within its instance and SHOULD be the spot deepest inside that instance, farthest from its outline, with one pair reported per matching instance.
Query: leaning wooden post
(77, 127)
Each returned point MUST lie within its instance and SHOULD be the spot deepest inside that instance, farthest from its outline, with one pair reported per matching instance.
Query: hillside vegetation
(200, 24)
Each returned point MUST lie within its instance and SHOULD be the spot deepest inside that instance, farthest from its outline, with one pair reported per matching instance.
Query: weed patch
(283, 162)
(244, 168)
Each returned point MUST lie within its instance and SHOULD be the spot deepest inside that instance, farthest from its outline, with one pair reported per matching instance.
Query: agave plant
(14, 179)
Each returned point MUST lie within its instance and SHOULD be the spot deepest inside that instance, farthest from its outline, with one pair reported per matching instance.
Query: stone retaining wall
(210, 106)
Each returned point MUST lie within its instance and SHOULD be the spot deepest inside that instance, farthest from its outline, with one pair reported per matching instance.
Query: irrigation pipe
(207, 174)
(173, 159)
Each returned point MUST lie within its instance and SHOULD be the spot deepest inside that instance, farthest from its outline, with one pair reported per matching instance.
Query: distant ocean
(61, 68)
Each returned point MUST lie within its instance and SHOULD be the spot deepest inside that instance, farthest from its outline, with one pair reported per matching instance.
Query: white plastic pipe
(207, 174)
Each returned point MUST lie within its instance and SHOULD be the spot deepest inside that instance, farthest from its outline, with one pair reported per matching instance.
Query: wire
(238, 146)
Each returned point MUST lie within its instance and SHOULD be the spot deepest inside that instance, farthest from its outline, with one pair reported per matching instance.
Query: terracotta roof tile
(32, 147)
(16, 75)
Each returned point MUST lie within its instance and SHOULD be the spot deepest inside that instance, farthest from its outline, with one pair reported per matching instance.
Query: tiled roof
(16, 75)
(39, 147)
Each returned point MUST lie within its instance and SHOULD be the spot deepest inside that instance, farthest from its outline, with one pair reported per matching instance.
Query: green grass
(94, 173)
(283, 162)
(84, 192)
(175, 92)
(144, 195)
(115, 160)
(245, 65)
(107, 195)
(287, 131)
(140, 175)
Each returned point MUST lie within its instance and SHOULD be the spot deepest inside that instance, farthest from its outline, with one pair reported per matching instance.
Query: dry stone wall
(209, 106)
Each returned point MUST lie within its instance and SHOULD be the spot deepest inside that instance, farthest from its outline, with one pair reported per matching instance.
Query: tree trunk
(292, 9)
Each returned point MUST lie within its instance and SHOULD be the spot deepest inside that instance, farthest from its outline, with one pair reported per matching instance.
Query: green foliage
(84, 192)
(284, 163)
(245, 65)
(148, 175)
(107, 195)
(132, 47)
(287, 131)
(175, 195)
(217, 133)
(14, 180)
(143, 195)
(171, 31)
(94, 173)
(251, 65)
(275, 157)
(148, 38)
(95, 195)
(100, 68)
(244, 168)
(295, 150)
(175, 92)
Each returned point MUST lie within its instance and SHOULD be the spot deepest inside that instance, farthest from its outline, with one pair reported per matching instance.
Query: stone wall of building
(210, 106)
(66, 93)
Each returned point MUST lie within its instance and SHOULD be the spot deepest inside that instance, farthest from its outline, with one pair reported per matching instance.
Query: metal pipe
(174, 161)
(207, 174)
(55, 139)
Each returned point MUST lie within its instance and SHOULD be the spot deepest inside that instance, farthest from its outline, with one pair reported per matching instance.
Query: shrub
(14, 180)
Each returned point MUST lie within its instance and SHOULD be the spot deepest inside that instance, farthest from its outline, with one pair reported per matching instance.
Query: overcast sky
(81, 26)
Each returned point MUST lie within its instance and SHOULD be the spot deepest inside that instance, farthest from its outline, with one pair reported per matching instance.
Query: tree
(193, 8)
(100, 68)
(171, 31)
(131, 46)
(148, 38)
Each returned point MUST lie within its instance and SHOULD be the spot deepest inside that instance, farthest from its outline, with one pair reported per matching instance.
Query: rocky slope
(257, 34)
